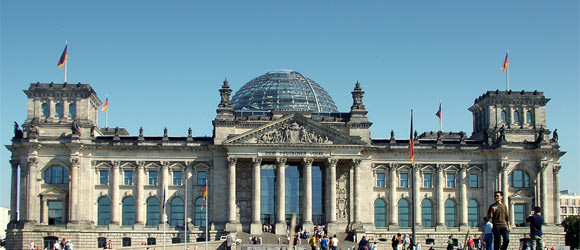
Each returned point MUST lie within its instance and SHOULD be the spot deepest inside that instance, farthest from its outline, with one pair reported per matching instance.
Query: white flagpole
(66, 62)
(164, 217)
(507, 72)
(107, 118)
(441, 117)
(206, 208)
(185, 214)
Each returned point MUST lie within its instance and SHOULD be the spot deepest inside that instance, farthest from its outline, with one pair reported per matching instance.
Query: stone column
(463, 195)
(440, 199)
(393, 193)
(23, 192)
(256, 227)
(232, 218)
(14, 191)
(280, 196)
(164, 190)
(65, 109)
(544, 189)
(331, 186)
(417, 200)
(504, 184)
(511, 215)
(140, 208)
(115, 182)
(556, 194)
(356, 191)
(32, 207)
(75, 163)
(44, 218)
(307, 196)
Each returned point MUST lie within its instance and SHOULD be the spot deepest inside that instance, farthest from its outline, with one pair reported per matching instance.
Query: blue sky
(162, 62)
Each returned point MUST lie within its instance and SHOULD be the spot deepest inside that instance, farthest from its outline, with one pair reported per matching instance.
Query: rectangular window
(574, 202)
(380, 179)
(520, 214)
(404, 180)
(201, 175)
(566, 202)
(427, 180)
(177, 178)
(55, 213)
(473, 180)
(128, 177)
(104, 177)
(153, 177)
(451, 180)
(564, 210)
(126, 242)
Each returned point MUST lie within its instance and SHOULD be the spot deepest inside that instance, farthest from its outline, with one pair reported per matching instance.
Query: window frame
(404, 182)
(380, 219)
(430, 180)
(177, 181)
(201, 181)
(126, 179)
(431, 214)
(105, 177)
(450, 184)
(381, 182)
(450, 217)
(471, 181)
(153, 181)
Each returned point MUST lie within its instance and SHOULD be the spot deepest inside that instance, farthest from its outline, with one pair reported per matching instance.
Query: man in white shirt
(334, 242)
(487, 234)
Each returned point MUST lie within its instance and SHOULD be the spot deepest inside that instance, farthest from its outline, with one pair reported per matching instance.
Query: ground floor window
(520, 214)
(101, 242)
(151, 241)
(50, 241)
(126, 242)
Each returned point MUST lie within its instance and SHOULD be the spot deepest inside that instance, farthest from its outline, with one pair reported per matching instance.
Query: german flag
(63, 57)
(411, 143)
(106, 106)
(505, 65)
(203, 197)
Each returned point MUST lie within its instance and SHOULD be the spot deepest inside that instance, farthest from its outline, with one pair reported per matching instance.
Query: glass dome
(283, 90)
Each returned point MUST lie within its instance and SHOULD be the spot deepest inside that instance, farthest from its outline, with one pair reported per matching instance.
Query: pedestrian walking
(487, 234)
(536, 220)
(499, 216)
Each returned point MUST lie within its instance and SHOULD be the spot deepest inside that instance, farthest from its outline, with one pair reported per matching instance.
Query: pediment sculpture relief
(292, 133)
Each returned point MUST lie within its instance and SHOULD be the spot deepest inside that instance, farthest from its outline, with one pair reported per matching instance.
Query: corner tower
(53, 109)
(520, 116)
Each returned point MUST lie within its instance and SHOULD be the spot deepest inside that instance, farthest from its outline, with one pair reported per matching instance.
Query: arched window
(503, 116)
(403, 213)
(45, 110)
(58, 110)
(152, 212)
(427, 213)
(176, 212)
(517, 117)
(473, 213)
(450, 213)
(519, 179)
(199, 213)
(72, 110)
(380, 213)
(529, 117)
(104, 211)
(128, 211)
(56, 175)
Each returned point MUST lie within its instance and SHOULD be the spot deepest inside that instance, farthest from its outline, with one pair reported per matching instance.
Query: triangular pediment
(521, 194)
(294, 129)
(53, 191)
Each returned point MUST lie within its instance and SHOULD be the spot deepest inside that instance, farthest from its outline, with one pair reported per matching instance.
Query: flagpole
(185, 214)
(206, 208)
(507, 72)
(440, 118)
(413, 227)
(107, 118)
(66, 62)
(164, 217)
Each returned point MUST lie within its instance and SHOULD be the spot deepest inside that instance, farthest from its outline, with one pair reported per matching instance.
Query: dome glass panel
(283, 90)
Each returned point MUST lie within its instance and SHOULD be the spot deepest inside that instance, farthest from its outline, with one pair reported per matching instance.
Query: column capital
(393, 166)
(332, 162)
(503, 166)
(75, 161)
(557, 169)
(356, 162)
(257, 161)
(165, 164)
(116, 164)
(140, 164)
(14, 162)
(463, 167)
(32, 161)
(281, 161)
(232, 160)
(440, 167)
(542, 166)
(308, 162)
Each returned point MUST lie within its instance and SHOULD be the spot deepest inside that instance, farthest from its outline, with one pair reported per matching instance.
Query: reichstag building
(279, 147)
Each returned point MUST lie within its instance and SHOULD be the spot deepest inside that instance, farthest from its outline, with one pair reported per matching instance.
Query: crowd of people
(64, 244)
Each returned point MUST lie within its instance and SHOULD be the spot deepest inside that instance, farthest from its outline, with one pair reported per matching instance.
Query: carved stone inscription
(342, 193)
(292, 133)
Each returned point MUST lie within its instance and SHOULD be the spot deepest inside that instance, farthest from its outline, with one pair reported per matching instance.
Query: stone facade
(89, 183)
